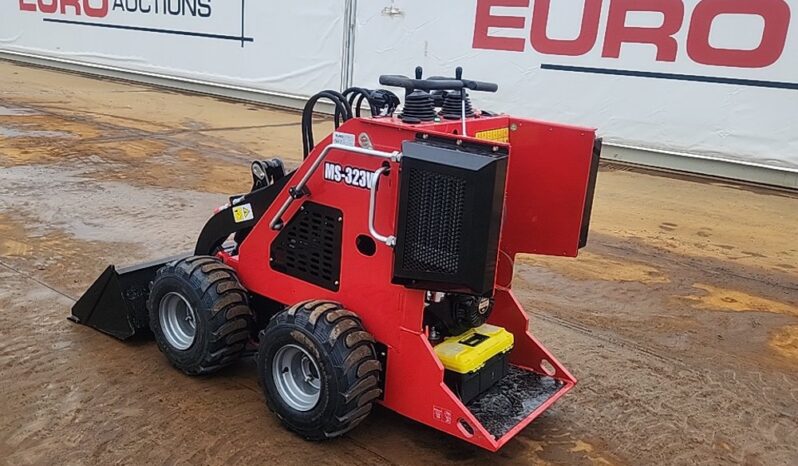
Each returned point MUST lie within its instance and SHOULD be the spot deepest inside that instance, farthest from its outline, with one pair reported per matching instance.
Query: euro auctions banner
(717, 78)
(285, 47)
(708, 77)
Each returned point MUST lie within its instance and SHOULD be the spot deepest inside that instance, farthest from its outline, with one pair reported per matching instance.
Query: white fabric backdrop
(736, 122)
(296, 48)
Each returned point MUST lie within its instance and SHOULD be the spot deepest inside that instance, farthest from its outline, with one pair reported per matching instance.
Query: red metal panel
(546, 188)
(394, 314)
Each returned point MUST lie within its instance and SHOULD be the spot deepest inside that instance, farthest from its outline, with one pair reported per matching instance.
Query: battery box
(475, 360)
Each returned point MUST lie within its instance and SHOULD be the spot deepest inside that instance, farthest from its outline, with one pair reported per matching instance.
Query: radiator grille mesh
(434, 222)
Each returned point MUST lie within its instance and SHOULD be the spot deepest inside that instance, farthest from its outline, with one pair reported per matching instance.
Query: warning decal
(243, 213)
(495, 135)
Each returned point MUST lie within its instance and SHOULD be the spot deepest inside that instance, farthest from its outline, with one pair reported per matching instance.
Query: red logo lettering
(583, 44)
(73, 3)
(78, 7)
(27, 5)
(775, 13)
(619, 33)
(51, 7)
(485, 20)
(95, 12)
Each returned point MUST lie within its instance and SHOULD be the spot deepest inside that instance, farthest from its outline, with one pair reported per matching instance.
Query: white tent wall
(740, 122)
(277, 48)
(663, 105)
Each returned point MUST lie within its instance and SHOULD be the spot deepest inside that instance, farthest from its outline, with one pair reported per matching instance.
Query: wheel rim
(296, 376)
(178, 321)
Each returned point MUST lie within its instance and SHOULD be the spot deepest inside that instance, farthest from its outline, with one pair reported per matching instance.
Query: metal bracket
(388, 240)
(392, 11)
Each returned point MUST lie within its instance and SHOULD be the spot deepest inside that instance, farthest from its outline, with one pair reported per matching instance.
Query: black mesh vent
(309, 247)
(434, 231)
(451, 196)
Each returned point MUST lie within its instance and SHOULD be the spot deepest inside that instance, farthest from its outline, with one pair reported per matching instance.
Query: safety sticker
(243, 213)
(344, 139)
(495, 135)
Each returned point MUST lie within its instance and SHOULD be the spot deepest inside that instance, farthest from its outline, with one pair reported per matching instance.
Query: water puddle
(722, 299)
(785, 342)
(9, 132)
(106, 211)
(16, 111)
(591, 266)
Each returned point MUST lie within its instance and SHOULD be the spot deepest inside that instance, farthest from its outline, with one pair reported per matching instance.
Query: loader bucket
(116, 303)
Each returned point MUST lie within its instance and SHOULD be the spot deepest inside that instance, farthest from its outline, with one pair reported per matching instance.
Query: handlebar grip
(481, 86)
(437, 83)
(440, 85)
(394, 80)
(422, 84)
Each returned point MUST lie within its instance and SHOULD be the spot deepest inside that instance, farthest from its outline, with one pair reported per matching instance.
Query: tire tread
(223, 299)
(340, 334)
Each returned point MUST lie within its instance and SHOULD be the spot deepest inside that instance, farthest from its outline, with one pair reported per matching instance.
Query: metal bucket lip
(116, 303)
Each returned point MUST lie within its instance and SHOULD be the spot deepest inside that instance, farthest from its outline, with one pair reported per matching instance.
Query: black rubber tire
(347, 362)
(224, 320)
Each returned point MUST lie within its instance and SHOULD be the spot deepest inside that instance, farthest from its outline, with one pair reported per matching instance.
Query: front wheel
(199, 314)
(318, 369)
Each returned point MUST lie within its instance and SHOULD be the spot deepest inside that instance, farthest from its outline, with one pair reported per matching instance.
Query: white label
(351, 176)
(344, 139)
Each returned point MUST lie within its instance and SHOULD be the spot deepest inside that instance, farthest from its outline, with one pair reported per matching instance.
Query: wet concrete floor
(680, 319)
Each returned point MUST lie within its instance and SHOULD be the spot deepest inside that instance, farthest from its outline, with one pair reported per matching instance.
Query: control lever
(436, 83)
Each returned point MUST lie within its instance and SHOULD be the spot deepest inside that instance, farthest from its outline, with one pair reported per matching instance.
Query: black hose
(356, 96)
(343, 112)
(381, 102)
(386, 101)
(348, 104)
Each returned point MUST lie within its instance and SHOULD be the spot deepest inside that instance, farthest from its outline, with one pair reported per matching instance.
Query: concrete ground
(680, 319)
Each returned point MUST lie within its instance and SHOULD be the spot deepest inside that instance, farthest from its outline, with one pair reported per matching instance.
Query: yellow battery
(470, 351)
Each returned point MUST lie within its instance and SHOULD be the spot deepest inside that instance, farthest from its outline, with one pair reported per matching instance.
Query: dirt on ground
(680, 319)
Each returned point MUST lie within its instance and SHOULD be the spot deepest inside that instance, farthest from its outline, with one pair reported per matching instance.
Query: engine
(454, 314)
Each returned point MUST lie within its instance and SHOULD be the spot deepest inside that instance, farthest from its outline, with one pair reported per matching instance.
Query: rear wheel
(318, 369)
(200, 314)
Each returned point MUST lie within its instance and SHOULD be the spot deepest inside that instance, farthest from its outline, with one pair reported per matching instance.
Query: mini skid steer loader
(380, 270)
